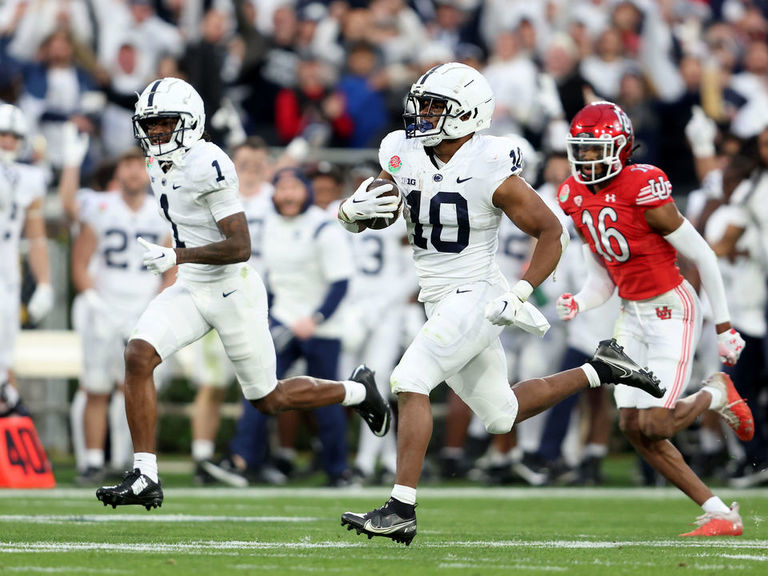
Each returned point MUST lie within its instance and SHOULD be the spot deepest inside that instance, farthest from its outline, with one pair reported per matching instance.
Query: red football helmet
(599, 142)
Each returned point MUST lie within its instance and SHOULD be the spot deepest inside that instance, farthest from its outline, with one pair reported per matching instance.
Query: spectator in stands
(54, 87)
(314, 109)
(365, 102)
(204, 62)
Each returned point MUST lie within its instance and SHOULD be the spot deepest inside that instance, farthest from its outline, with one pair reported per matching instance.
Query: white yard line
(427, 492)
(207, 547)
(182, 518)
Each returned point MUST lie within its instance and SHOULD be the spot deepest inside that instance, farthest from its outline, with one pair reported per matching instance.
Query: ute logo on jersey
(577, 201)
(395, 164)
(659, 187)
(663, 312)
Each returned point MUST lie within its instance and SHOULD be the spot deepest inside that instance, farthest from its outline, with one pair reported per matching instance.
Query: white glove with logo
(365, 204)
(41, 302)
(701, 131)
(157, 259)
(566, 306)
(502, 310)
(729, 346)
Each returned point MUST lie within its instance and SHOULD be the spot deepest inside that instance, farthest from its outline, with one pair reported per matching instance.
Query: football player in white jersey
(22, 189)
(115, 287)
(196, 186)
(457, 185)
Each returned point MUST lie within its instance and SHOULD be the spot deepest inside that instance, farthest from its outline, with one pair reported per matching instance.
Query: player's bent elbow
(270, 404)
(242, 252)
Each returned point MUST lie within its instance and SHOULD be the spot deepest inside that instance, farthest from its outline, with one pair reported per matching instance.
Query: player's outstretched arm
(667, 220)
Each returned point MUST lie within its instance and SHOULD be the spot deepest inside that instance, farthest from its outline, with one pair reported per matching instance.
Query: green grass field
(462, 531)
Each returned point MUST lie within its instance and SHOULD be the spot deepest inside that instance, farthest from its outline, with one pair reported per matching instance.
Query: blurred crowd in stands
(305, 76)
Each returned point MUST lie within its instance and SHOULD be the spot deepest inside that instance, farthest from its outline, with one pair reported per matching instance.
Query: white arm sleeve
(691, 245)
(599, 285)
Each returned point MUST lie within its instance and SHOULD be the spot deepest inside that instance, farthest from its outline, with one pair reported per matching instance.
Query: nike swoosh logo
(371, 528)
(225, 294)
(460, 180)
(176, 187)
(357, 201)
(505, 307)
(459, 291)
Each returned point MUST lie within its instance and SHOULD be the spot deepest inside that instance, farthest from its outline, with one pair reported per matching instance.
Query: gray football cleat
(382, 521)
(626, 371)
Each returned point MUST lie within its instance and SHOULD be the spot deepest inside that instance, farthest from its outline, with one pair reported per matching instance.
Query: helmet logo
(395, 164)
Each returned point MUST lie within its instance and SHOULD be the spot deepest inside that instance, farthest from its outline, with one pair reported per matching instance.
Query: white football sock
(94, 458)
(202, 450)
(717, 397)
(714, 505)
(594, 379)
(146, 462)
(405, 494)
(354, 393)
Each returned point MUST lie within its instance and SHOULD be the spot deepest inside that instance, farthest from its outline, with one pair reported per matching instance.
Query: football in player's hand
(380, 223)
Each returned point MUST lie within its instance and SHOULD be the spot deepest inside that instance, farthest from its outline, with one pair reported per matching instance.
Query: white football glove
(157, 259)
(701, 131)
(365, 204)
(74, 145)
(566, 306)
(502, 310)
(41, 302)
(729, 346)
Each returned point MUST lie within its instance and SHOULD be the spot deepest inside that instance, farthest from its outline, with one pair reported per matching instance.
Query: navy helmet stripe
(151, 97)
(424, 78)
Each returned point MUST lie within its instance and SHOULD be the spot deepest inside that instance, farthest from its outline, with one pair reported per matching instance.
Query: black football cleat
(136, 488)
(382, 522)
(626, 371)
(374, 409)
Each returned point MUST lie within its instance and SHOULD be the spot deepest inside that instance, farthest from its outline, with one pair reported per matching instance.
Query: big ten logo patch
(663, 312)
(23, 462)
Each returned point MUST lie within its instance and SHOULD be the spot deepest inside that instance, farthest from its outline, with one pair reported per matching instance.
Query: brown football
(380, 223)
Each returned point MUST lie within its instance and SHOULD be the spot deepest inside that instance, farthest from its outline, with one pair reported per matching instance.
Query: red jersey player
(633, 232)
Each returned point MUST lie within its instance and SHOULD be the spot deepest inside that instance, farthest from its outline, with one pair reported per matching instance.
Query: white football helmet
(12, 121)
(463, 93)
(169, 98)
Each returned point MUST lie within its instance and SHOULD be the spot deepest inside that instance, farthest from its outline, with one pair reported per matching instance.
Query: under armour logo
(610, 197)
(664, 313)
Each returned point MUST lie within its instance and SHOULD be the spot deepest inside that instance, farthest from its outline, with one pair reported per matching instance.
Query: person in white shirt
(457, 186)
(22, 189)
(196, 186)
